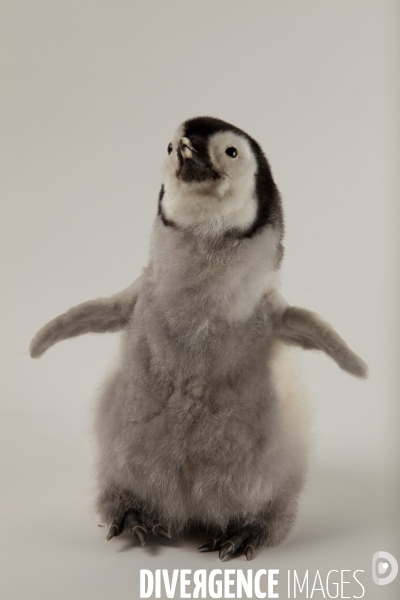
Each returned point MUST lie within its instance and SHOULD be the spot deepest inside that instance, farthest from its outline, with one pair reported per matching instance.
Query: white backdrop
(91, 92)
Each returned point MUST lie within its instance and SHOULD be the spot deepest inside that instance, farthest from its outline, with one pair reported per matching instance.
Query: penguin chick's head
(217, 180)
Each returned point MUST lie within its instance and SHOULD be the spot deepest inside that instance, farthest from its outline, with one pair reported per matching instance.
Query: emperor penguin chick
(196, 428)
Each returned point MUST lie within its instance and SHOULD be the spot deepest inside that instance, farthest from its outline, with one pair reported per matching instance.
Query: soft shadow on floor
(153, 547)
(335, 503)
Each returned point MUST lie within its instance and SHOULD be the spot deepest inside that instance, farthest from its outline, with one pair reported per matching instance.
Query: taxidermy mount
(201, 426)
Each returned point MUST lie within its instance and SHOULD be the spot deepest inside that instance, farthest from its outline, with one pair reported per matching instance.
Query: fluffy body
(202, 424)
(202, 439)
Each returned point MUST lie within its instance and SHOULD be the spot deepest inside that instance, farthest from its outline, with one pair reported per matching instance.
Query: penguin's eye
(232, 152)
(169, 148)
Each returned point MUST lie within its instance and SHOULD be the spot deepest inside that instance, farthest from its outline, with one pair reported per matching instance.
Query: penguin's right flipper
(307, 329)
(95, 316)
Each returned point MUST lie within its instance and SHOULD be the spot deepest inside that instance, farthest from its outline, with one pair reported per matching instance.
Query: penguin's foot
(245, 539)
(133, 522)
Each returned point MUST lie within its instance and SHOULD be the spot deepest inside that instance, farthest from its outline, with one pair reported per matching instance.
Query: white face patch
(213, 206)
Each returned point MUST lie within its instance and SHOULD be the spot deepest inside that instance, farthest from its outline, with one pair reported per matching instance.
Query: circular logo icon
(384, 563)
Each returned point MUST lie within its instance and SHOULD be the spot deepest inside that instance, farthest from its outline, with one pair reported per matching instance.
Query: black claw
(139, 533)
(246, 538)
(227, 548)
(114, 530)
(135, 526)
(117, 527)
(159, 530)
(208, 545)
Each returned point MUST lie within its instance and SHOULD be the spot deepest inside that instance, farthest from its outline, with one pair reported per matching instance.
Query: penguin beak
(193, 168)
(188, 152)
(186, 147)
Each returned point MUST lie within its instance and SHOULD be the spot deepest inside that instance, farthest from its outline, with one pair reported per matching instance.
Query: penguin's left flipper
(95, 316)
(307, 329)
